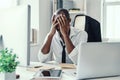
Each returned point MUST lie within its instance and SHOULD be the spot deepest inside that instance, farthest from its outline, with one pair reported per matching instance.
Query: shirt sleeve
(82, 38)
(45, 57)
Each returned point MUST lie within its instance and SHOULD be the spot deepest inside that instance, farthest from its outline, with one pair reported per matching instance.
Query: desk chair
(90, 25)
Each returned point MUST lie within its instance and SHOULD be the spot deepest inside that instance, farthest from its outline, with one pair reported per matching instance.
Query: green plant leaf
(8, 61)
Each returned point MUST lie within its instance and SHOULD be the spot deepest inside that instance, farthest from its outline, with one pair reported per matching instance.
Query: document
(34, 69)
(67, 66)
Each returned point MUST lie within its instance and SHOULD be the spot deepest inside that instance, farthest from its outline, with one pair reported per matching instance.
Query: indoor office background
(105, 11)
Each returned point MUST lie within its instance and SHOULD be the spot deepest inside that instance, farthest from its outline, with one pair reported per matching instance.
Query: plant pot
(7, 76)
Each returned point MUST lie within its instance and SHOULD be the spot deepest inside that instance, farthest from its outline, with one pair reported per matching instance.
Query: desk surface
(68, 74)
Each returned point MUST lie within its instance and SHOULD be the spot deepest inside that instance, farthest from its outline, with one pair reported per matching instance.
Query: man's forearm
(46, 47)
(69, 44)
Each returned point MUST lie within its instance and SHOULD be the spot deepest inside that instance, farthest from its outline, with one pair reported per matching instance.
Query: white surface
(80, 22)
(41, 16)
(94, 9)
(35, 16)
(45, 9)
(111, 20)
(68, 74)
(73, 14)
(80, 4)
(14, 27)
(98, 60)
(8, 76)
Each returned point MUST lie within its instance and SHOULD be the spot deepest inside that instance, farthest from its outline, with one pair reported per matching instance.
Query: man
(61, 36)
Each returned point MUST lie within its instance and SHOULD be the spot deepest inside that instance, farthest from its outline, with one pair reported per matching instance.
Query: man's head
(66, 14)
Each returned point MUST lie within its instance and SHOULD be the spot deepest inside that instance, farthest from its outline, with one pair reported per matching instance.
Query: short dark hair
(65, 11)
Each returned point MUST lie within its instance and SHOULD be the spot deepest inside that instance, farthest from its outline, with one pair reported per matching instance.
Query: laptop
(98, 60)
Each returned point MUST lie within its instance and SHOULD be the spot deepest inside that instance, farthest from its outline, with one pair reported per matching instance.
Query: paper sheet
(67, 66)
(34, 69)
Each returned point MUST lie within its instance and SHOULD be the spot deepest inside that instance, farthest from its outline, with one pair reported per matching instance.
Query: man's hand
(63, 24)
(54, 24)
(64, 29)
(46, 47)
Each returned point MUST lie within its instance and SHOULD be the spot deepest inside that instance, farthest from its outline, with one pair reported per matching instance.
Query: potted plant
(8, 64)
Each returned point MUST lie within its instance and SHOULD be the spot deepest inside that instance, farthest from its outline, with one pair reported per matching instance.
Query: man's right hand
(46, 47)
(53, 27)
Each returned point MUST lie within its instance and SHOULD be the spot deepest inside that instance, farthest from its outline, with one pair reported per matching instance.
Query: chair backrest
(90, 25)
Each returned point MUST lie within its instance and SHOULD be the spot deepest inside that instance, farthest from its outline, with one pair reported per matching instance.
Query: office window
(113, 22)
(111, 19)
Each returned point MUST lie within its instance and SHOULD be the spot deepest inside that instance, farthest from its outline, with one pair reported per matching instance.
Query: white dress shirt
(76, 36)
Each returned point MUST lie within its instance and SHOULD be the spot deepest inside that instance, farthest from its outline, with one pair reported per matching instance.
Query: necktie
(63, 53)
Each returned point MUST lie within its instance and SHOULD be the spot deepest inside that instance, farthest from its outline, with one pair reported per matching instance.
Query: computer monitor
(15, 31)
(1, 42)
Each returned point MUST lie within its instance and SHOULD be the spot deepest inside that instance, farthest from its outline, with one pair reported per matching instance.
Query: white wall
(80, 4)
(35, 13)
(44, 26)
(22, 1)
(45, 17)
(94, 9)
(41, 16)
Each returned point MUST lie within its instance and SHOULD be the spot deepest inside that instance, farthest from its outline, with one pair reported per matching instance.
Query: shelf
(34, 44)
(77, 12)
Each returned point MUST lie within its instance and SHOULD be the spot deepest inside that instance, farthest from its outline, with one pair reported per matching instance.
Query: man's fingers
(59, 21)
(63, 19)
(55, 24)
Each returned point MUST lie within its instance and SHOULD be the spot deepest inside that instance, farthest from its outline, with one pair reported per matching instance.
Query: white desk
(68, 74)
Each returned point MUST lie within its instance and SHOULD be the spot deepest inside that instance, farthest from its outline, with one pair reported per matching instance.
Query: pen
(37, 66)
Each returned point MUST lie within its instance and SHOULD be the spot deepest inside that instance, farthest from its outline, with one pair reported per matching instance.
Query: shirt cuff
(74, 55)
(43, 57)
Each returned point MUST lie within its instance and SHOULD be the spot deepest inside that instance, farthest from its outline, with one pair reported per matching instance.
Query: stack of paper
(67, 66)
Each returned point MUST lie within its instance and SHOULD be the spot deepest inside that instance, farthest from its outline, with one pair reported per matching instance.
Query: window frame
(105, 5)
